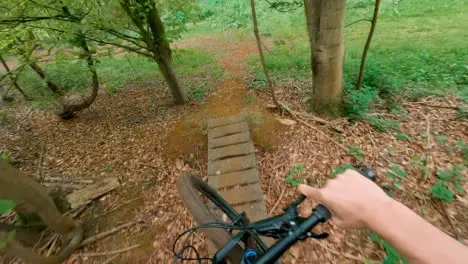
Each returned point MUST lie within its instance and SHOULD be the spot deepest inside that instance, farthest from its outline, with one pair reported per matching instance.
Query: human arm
(357, 202)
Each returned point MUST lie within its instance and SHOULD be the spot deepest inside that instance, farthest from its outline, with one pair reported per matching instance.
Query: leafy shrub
(450, 181)
(294, 171)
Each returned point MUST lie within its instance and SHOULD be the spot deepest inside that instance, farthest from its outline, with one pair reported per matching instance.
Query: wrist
(377, 212)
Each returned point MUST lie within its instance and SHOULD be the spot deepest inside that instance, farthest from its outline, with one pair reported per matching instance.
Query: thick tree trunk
(366, 47)
(325, 27)
(260, 52)
(163, 54)
(14, 80)
(69, 107)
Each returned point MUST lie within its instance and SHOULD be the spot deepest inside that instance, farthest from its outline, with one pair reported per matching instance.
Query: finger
(310, 192)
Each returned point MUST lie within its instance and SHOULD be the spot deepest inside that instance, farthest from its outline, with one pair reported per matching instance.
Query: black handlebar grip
(369, 174)
(325, 213)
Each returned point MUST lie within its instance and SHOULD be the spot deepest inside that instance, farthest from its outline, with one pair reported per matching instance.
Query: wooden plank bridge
(232, 168)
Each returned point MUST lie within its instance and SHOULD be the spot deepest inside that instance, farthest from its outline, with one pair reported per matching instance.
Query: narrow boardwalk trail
(232, 167)
(229, 98)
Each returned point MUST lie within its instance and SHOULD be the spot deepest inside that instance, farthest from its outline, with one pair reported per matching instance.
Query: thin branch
(21, 20)
(366, 47)
(285, 7)
(278, 201)
(102, 235)
(114, 252)
(136, 50)
(360, 20)
(262, 57)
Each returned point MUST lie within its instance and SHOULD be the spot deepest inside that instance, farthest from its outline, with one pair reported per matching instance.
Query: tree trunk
(14, 80)
(52, 86)
(157, 44)
(366, 47)
(262, 57)
(70, 107)
(325, 27)
(163, 54)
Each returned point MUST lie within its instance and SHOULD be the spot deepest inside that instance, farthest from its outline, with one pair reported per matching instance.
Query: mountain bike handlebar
(300, 228)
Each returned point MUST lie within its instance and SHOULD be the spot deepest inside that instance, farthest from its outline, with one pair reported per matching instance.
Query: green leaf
(6, 206)
(446, 174)
(441, 138)
(440, 191)
(293, 181)
(297, 169)
(403, 136)
(341, 169)
(398, 171)
(459, 188)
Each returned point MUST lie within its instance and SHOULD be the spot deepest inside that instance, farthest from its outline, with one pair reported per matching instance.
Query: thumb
(311, 192)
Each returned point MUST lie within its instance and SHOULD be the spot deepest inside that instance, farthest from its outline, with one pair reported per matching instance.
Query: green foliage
(397, 68)
(117, 71)
(108, 167)
(199, 92)
(449, 181)
(441, 191)
(293, 172)
(341, 169)
(403, 136)
(248, 99)
(356, 152)
(392, 257)
(6, 206)
(441, 138)
(6, 156)
(395, 173)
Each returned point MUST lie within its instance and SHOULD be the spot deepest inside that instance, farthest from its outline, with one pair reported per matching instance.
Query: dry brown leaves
(126, 135)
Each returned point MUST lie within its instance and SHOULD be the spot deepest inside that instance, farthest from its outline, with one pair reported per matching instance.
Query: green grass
(118, 71)
(419, 48)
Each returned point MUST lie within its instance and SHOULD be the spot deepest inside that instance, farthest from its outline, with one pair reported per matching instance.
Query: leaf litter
(130, 135)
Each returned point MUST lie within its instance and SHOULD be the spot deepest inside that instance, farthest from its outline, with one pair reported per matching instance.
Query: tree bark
(325, 27)
(14, 80)
(52, 86)
(163, 54)
(262, 57)
(158, 45)
(366, 47)
(70, 107)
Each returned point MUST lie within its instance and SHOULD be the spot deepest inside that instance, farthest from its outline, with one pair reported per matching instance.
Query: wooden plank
(255, 211)
(218, 167)
(230, 151)
(227, 130)
(222, 121)
(229, 140)
(243, 194)
(87, 194)
(230, 179)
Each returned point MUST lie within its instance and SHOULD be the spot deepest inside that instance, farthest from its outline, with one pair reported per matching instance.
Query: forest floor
(134, 136)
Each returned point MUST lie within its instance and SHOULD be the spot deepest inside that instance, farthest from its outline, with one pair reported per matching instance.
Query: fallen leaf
(179, 163)
(286, 122)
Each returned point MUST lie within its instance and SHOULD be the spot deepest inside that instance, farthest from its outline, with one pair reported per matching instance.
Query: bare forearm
(415, 239)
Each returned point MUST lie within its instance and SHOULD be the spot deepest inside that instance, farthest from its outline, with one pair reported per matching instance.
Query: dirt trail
(230, 97)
